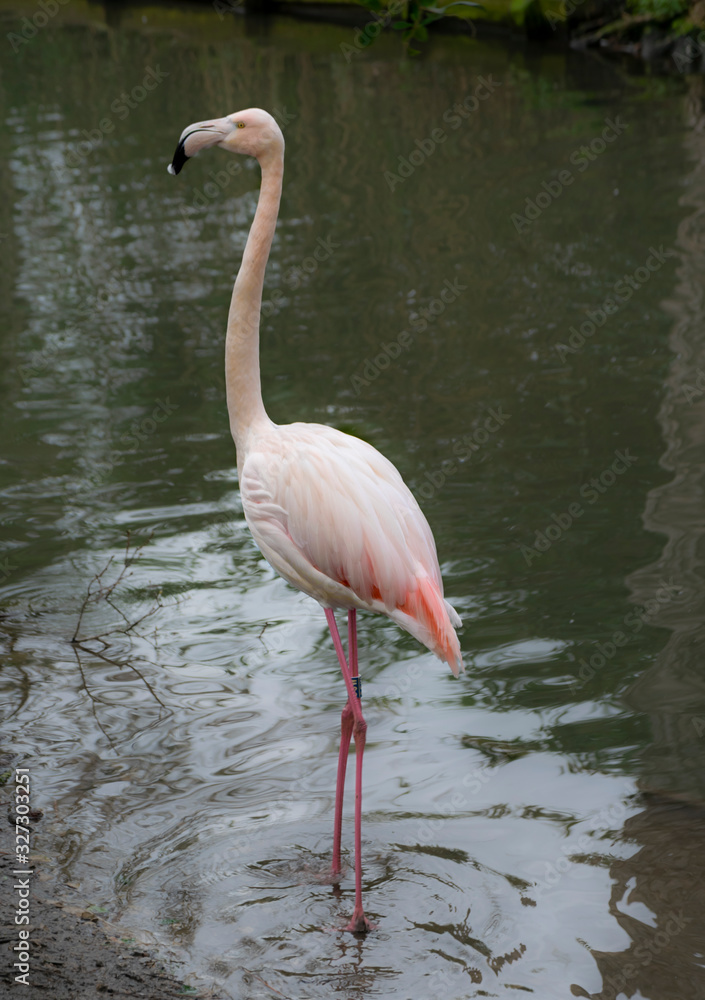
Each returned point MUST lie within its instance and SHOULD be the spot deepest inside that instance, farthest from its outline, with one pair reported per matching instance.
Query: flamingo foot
(325, 876)
(359, 924)
(332, 875)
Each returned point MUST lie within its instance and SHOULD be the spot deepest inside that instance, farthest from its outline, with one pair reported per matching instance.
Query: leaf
(414, 52)
(421, 33)
(401, 25)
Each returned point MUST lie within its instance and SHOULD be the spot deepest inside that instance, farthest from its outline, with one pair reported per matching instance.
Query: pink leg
(359, 924)
(346, 729)
(352, 641)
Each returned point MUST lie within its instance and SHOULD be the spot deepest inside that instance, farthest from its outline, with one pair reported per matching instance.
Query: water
(535, 826)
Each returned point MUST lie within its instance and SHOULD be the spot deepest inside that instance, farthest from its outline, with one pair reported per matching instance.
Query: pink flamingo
(328, 511)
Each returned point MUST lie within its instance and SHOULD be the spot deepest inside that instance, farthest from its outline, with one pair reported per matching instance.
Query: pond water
(533, 827)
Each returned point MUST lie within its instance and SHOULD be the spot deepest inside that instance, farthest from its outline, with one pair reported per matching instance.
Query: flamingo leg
(352, 722)
(346, 730)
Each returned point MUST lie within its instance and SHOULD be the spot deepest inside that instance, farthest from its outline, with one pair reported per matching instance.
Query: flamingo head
(253, 132)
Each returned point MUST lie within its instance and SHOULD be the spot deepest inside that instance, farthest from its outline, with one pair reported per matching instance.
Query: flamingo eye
(240, 124)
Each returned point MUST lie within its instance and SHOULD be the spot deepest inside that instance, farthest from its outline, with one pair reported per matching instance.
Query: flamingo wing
(334, 518)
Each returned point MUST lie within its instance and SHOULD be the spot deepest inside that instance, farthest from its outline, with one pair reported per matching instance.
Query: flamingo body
(334, 517)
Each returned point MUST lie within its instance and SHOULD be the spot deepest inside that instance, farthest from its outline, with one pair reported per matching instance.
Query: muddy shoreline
(73, 953)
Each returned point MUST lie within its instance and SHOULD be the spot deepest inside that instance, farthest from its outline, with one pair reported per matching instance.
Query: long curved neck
(242, 376)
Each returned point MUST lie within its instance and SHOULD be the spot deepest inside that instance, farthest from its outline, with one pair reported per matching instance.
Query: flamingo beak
(196, 137)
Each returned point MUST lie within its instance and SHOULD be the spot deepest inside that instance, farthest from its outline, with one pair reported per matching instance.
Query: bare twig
(98, 590)
(108, 600)
(254, 974)
(116, 663)
(91, 698)
(90, 596)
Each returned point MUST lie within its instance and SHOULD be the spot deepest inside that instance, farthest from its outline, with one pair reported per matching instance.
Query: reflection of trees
(659, 892)
(666, 877)
(672, 692)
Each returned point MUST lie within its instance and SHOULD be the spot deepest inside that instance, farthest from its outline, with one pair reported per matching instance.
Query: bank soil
(73, 953)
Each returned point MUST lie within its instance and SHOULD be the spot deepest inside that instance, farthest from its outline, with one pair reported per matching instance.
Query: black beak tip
(180, 158)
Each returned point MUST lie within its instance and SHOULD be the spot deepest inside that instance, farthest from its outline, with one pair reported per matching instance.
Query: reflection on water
(515, 820)
(658, 896)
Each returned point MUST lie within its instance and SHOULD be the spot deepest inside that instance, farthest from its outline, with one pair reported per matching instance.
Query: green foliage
(411, 17)
(660, 10)
(682, 26)
(518, 10)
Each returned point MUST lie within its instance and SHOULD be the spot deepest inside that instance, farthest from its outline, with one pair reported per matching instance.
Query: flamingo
(329, 512)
